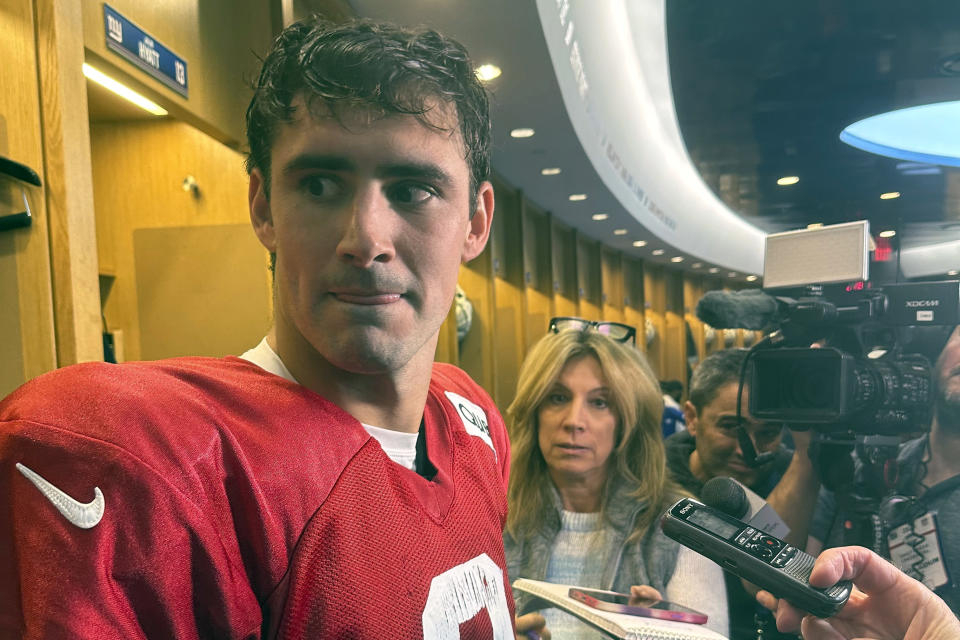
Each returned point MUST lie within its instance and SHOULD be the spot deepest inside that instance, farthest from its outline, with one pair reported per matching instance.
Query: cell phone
(648, 608)
(766, 561)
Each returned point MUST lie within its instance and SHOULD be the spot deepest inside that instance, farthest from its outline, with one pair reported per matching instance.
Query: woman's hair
(638, 457)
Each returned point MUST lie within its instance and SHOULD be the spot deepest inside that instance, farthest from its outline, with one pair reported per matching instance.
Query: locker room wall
(535, 268)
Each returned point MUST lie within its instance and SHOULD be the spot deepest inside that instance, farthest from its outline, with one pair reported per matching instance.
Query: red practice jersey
(207, 498)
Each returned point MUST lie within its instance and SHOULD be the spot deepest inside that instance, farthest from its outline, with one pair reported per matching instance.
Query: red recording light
(883, 250)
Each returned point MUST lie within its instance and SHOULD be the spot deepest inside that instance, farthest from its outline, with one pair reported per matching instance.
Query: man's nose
(367, 235)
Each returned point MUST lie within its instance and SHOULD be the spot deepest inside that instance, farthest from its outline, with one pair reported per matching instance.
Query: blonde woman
(589, 481)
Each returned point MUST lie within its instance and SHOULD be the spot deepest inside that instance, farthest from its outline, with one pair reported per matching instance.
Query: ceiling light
(889, 195)
(619, 232)
(676, 259)
(121, 90)
(639, 243)
(599, 216)
(788, 180)
(732, 274)
(952, 272)
(815, 225)
(889, 233)
(751, 278)
(658, 252)
(522, 132)
(915, 134)
(550, 171)
(577, 197)
(714, 270)
(697, 265)
(487, 72)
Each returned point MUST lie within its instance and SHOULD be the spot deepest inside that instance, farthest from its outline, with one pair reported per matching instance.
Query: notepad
(616, 625)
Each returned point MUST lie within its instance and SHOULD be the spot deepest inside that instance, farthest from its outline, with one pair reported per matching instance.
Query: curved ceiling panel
(610, 59)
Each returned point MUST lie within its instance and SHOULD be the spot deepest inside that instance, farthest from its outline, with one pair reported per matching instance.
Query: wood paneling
(589, 287)
(563, 268)
(633, 302)
(612, 296)
(509, 320)
(476, 349)
(655, 308)
(139, 169)
(538, 281)
(28, 347)
(69, 185)
(201, 290)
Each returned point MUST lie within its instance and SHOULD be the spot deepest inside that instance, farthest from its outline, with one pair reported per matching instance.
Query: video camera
(839, 357)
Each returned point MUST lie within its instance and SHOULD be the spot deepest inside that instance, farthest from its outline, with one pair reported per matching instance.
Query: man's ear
(480, 223)
(690, 417)
(260, 214)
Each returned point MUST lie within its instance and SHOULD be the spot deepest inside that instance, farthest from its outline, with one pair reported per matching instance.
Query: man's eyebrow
(422, 170)
(318, 161)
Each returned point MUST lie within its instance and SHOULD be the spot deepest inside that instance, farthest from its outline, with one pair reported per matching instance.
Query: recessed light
(815, 225)
(487, 72)
(751, 278)
(600, 216)
(697, 265)
(676, 259)
(952, 272)
(522, 132)
(549, 171)
(122, 90)
(787, 180)
(577, 197)
(889, 233)
(658, 252)
(619, 232)
(714, 270)
(889, 195)
(732, 274)
(639, 243)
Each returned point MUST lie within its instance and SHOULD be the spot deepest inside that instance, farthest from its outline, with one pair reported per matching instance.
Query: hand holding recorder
(885, 604)
(752, 554)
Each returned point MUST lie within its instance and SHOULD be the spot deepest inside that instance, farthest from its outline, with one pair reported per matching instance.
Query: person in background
(673, 419)
(925, 500)
(333, 482)
(710, 448)
(885, 603)
(589, 480)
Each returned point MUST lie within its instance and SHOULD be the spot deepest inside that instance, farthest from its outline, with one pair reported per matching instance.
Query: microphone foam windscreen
(726, 495)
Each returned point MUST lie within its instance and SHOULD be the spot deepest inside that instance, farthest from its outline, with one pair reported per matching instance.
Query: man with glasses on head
(710, 448)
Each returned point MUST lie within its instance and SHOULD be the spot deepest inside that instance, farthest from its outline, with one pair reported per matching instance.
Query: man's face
(715, 429)
(369, 221)
(948, 383)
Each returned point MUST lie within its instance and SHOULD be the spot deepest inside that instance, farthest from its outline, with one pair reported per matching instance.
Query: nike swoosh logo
(80, 514)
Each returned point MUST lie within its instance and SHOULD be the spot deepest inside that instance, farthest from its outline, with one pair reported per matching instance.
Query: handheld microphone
(728, 496)
(748, 309)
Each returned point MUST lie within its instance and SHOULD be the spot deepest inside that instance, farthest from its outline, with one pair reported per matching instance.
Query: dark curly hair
(362, 64)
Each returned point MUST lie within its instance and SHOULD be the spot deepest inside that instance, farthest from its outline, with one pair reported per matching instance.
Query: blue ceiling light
(929, 134)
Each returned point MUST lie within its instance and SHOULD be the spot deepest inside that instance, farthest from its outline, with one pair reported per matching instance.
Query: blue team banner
(137, 46)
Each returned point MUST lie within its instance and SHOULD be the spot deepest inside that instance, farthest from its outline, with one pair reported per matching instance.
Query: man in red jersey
(333, 482)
